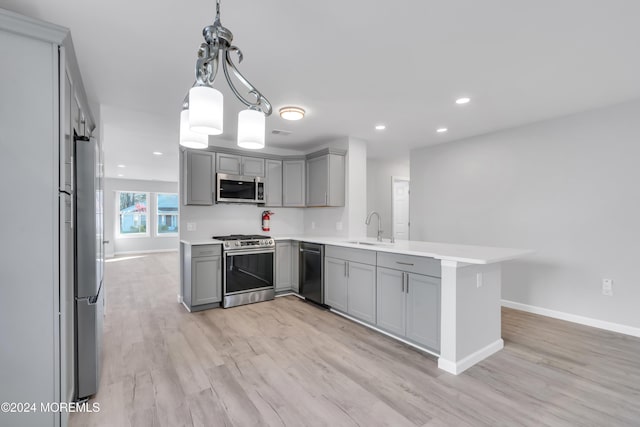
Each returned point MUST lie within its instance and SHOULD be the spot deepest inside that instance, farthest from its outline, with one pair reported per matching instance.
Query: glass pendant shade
(206, 112)
(187, 137)
(251, 128)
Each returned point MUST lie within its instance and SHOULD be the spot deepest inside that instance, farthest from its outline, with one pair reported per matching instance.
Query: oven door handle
(250, 252)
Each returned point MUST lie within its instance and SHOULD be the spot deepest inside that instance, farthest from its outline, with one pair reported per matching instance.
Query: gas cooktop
(241, 237)
(245, 241)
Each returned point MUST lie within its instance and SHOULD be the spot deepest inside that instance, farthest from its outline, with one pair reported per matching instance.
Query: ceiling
(351, 65)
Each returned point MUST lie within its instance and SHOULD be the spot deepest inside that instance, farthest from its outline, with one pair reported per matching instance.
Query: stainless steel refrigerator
(89, 264)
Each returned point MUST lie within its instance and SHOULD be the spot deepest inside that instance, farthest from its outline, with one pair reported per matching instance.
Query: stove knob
(226, 244)
(237, 243)
(270, 242)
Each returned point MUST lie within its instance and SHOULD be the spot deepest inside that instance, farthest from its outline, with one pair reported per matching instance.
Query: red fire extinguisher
(266, 217)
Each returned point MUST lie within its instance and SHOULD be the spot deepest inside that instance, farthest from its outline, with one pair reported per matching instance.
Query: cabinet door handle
(326, 198)
(407, 276)
(404, 263)
(345, 269)
(402, 284)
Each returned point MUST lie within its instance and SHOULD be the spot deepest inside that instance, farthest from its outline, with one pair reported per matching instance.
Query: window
(167, 215)
(132, 214)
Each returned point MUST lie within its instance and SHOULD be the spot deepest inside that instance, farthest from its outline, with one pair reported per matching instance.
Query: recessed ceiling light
(157, 153)
(461, 101)
(380, 127)
(441, 130)
(291, 113)
(121, 166)
(120, 175)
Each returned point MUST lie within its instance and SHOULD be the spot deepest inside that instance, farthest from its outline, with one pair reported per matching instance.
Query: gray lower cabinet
(198, 178)
(201, 276)
(361, 298)
(408, 305)
(391, 301)
(293, 183)
(283, 266)
(335, 283)
(423, 310)
(295, 268)
(350, 287)
(273, 184)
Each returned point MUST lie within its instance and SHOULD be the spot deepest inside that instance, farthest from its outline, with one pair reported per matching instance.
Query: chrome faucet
(368, 221)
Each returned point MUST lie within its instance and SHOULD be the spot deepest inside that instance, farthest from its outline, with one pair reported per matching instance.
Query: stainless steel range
(249, 269)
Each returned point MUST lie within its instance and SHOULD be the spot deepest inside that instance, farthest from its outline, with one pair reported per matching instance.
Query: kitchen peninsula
(464, 307)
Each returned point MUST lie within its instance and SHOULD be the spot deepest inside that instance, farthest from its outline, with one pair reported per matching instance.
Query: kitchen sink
(358, 242)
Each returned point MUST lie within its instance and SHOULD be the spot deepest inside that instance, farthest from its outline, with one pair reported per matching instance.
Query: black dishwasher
(311, 272)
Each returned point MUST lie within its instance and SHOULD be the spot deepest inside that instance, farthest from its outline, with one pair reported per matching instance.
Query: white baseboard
(456, 368)
(409, 343)
(154, 251)
(587, 321)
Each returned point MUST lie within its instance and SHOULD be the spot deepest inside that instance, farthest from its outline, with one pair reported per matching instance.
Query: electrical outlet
(607, 287)
(339, 226)
(478, 280)
(313, 225)
(191, 226)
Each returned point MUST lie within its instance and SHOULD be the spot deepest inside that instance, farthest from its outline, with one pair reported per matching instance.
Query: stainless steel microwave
(239, 189)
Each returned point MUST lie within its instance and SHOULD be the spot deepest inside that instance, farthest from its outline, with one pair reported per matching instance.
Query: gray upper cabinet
(234, 164)
(293, 183)
(228, 163)
(326, 180)
(198, 178)
(252, 166)
(273, 184)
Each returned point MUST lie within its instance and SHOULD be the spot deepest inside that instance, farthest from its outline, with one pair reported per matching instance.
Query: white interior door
(400, 207)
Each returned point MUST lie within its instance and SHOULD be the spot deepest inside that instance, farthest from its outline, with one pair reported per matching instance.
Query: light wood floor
(286, 362)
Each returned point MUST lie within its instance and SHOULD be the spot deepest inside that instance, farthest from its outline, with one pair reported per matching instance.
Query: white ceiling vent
(281, 132)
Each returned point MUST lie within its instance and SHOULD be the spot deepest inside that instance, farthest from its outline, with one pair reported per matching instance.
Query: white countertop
(444, 251)
(202, 242)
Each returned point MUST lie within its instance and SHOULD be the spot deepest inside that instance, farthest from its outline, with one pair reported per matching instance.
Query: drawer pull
(206, 253)
(404, 263)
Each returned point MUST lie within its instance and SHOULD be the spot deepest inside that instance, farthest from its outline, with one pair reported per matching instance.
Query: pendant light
(188, 138)
(251, 124)
(205, 103)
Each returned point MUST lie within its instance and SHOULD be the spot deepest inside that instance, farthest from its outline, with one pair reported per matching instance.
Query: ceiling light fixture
(441, 130)
(291, 113)
(121, 166)
(204, 104)
(462, 101)
(380, 127)
(157, 153)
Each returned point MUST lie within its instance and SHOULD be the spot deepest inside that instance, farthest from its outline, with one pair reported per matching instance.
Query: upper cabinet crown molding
(30, 27)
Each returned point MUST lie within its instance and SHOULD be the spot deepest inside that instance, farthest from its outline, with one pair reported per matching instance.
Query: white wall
(224, 219)
(135, 244)
(567, 188)
(379, 173)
